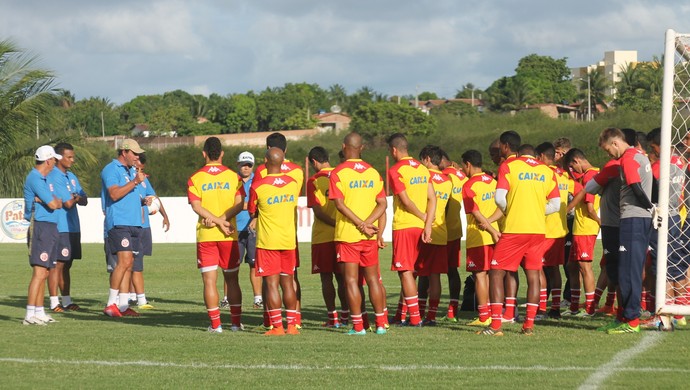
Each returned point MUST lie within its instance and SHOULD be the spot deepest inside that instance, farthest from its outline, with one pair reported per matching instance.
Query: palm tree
(25, 96)
(598, 85)
(518, 93)
(629, 79)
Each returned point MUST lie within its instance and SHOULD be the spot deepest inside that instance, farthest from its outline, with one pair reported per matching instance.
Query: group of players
(518, 216)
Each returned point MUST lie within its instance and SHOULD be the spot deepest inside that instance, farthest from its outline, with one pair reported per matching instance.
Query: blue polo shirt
(146, 189)
(242, 219)
(127, 210)
(72, 214)
(37, 186)
(62, 190)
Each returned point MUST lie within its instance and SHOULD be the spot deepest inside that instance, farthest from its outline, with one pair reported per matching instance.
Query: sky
(122, 49)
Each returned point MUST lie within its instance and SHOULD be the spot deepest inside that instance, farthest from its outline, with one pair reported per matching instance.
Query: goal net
(673, 250)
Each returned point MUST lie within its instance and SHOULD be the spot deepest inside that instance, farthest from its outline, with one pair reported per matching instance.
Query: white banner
(182, 221)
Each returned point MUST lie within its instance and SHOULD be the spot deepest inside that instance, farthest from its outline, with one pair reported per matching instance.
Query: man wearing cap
(247, 230)
(40, 203)
(123, 222)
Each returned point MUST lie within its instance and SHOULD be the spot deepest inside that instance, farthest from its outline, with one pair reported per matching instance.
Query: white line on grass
(616, 363)
(303, 367)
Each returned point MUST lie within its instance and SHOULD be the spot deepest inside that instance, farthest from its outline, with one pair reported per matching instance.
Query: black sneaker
(554, 314)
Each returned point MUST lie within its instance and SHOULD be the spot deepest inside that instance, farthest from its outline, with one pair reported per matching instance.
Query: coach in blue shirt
(40, 203)
(123, 222)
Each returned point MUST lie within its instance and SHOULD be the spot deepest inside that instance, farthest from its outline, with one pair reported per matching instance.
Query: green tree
(594, 91)
(518, 93)
(549, 79)
(377, 120)
(25, 96)
(173, 117)
(241, 117)
(426, 95)
(467, 91)
(85, 116)
(455, 109)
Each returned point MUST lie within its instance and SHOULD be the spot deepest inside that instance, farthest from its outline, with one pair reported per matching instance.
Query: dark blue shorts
(125, 239)
(247, 243)
(64, 248)
(75, 245)
(146, 241)
(43, 244)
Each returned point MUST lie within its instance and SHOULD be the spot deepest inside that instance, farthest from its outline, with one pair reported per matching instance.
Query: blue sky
(121, 49)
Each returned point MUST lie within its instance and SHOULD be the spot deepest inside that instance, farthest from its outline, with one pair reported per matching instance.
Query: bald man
(272, 200)
(357, 191)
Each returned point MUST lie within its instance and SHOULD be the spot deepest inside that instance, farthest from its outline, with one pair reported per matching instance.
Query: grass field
(169, 347)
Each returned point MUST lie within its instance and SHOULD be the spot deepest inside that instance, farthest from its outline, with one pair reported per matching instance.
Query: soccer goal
(674, 234)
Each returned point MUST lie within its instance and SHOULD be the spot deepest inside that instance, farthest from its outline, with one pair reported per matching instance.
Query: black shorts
(43, 244)
(146, 241)
(75, 245)
(138, 264)
(247, 243)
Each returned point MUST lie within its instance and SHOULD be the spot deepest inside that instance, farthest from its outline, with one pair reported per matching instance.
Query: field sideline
(169, 346)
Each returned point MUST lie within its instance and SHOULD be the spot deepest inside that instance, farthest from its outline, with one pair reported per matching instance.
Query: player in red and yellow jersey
(556, 230)
(323, 255)
(357, 191)
(278, 140)
(478, 198)
(274, 198)
(585, 231)
(526, 192)
(433, 256)
(216, 194)
(414, 205)
(458, 178)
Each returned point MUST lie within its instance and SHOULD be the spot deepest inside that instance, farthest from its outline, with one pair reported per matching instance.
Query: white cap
(46, 152)
(245, 158)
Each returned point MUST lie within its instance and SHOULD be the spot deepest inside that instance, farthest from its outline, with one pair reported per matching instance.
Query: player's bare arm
(219, 222)
(484, 224)
(117, 192)
(322, 216)
(430, 212)
(166, 221)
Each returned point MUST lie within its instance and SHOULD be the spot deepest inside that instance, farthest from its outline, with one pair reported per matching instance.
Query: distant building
(611, 66)
(428, 105)
(333, 121)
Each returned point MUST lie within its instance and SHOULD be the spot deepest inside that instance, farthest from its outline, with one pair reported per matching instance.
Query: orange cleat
(275, 332)
(292, 330)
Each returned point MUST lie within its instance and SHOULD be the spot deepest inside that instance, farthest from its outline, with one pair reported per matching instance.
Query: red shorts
(406, 243)
(323, 258)
(296, 253)
(273, 262)
(554, 252)
(433, 259)
(453, 253)
(513, 250)
(365, 252)
(583, 248)
(478, 258)
(213, 254)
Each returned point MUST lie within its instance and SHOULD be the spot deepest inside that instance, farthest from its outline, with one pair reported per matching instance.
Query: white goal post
(673, 251)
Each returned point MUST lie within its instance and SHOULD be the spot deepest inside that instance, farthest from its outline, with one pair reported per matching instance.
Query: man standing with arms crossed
(414, 207)
(216, 195)
(357, 190)
(43, 233)
(526, 192)
(68, 227)
(272, 200)
(123, 222)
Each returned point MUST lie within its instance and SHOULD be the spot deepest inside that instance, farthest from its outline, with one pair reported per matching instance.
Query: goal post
(673, 249)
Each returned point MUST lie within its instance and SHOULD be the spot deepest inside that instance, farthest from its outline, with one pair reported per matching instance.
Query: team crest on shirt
(50, 185)
(43, 256)
(74, 183)
(65, 252)
(124, 243)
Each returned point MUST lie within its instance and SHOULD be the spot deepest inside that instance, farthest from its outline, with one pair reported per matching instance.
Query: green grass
(169, 346)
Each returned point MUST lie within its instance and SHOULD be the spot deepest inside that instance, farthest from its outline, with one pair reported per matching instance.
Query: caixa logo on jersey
(14, 225)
